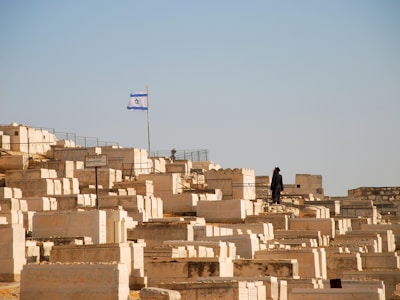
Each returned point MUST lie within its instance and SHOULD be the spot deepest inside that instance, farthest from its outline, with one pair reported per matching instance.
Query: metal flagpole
(148, 120)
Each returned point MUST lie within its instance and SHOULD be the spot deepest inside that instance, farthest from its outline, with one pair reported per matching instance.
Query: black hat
(277, 169)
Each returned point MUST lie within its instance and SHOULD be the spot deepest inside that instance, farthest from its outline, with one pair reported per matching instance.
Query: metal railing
(83, 141)
(193, 155)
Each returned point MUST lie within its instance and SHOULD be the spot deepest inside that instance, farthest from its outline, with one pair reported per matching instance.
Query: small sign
(92, 161)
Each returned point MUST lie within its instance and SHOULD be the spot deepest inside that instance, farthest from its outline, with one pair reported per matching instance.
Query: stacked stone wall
(375, 193)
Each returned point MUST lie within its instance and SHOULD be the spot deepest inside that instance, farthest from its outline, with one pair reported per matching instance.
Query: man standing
(276, 186)
(173, 151)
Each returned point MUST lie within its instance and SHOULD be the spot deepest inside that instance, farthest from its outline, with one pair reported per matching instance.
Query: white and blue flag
(138, 101)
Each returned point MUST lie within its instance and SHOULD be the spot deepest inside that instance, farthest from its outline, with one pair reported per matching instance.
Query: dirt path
(9, 290)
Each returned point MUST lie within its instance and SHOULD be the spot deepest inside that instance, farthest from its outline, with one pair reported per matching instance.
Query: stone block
(23, 205)
(359, 208)
(100, 253)
(325, 225)
(53, 203)
(156, 233)
(65, 186)
(180, 203)
(270, 286)
(142, 187)
(64, 169)
(5, 142)
(164, 184)
(389, 277)
(11, 204)
(137, 256)
(381, 239)
(337, 263)
(342, 225)
(264, 230)
(395, 228)
(70, 224)
(154, 210)
(27, 220)
(307, 283)
(72, 202)
(13, 217)
(246, 244)
(6, 193)
(170, 252)
(152, 293)
(219, 248)
(266, 267)
(222, 211)
(75, 154)
(105, 177)
(75, 281)
(216, 196)
(186, 269)
(38, 203)
(30, 174)
(200, 232)
(357, 284)
(283, 290)
(234, 183)
(337, 293)
(127, 202)
(137, 215)
(17, 193)
(356, 223)
(314, 211)
(14, 162)
(179, 166)
(34, 188)
(32, 252)
(12, 251)
(226, 290)
(57, 187)
(160, 207)
(117, 224)
(258, 206)
(74, 184)
(309, 260)
(362, 244)
(384, 260)
(135, 160)
(278, 220)
(287, 235)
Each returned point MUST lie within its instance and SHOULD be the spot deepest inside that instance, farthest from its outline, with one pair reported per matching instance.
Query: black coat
(277, 182)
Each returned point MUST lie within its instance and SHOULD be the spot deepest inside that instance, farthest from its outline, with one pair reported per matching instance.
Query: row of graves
(185, 230)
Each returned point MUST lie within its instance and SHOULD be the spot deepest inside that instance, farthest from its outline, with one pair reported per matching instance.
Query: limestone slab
(70, 224)
(75, 281)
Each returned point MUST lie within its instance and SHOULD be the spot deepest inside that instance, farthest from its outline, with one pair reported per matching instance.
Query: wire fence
(193, 155)
(87, 141)
(84, 141)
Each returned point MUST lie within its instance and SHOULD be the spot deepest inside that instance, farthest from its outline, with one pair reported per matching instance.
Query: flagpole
(148, 120)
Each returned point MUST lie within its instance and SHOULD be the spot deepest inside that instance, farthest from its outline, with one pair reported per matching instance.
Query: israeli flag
(138, 101)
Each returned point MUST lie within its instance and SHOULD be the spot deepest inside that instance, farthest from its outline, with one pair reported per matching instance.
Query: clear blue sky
(310, 86)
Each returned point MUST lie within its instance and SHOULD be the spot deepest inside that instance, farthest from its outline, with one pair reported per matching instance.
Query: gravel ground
(9, 290)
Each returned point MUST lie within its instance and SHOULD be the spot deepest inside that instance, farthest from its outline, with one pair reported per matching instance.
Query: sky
(310, 86)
